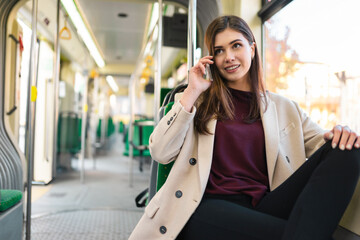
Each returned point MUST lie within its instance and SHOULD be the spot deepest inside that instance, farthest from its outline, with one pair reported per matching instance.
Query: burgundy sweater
(239, 161)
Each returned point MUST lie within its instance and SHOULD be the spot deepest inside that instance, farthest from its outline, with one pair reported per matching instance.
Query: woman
(241, 169)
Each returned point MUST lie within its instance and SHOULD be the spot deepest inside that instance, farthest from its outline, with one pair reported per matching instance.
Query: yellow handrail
(65, 31)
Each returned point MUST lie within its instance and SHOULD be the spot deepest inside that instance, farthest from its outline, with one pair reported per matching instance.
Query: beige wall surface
(246, 9)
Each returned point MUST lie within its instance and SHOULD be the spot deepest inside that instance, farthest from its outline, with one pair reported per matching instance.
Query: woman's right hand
(197, 83)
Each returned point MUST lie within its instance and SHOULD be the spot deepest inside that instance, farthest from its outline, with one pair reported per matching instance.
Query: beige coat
(290, 137)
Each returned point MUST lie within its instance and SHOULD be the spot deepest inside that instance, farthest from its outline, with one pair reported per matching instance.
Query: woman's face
(232, 56)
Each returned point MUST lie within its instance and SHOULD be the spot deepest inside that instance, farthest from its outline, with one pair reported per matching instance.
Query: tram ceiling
(120, 28)
(120, 38)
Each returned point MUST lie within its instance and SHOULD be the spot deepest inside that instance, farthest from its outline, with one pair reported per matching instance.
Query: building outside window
(312, 56)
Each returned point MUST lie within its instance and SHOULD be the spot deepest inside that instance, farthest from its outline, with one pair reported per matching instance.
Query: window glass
(312, 55)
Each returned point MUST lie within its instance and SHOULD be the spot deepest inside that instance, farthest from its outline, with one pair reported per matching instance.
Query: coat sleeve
(312, 132)
(168, 136)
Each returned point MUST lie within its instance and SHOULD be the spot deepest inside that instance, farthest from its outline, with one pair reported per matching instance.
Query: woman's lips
(232, 68)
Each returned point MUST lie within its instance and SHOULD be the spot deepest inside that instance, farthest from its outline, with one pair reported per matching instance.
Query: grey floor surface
(102, 207)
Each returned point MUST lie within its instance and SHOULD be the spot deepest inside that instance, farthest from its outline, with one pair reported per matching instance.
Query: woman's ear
(253, 45)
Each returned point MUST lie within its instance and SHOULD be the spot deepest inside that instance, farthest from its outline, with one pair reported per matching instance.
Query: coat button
(174, 115)
(163, 229)
(168, 122)
(192, 161)
(171, 118)
(178, 194)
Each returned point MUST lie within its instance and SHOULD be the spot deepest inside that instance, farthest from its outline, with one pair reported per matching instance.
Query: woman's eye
(237, 45)
(217, 51)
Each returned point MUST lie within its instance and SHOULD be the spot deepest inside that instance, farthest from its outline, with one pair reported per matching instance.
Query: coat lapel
(205, 152)
(271, 131)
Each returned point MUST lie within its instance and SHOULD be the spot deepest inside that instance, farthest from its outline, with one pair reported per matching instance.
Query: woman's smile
(232, 68)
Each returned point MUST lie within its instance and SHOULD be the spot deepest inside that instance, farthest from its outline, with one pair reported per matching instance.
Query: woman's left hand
(343, 137)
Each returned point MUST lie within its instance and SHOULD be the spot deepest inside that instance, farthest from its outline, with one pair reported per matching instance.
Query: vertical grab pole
(157, 81)
(30, 123)
(191, 41)
(83, 129)
(130, 130)
(56, 85)
(157, 90)
(94, 116)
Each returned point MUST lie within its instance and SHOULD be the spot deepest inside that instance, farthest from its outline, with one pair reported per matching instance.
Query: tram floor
(102, 207)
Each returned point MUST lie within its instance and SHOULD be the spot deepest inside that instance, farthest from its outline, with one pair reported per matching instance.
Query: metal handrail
(30, 123)
(56, 78)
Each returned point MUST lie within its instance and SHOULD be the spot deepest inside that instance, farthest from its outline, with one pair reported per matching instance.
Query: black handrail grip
(13, 38)
(11, 111)
(139, 147)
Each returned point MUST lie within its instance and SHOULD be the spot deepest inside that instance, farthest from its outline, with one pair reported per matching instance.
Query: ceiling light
(110, 80)
(75, 17)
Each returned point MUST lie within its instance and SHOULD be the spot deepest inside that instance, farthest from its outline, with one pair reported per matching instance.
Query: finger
(329, 135)
(357, 143)
(351, 141)
(344, 137)
(202, 68)
(337, 133)
(206, 61)
(207, 57)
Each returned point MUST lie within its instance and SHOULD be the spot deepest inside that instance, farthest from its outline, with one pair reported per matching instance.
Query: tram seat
(11, 214)
(141, 138)
(160, 172)
(164, 169)
(110, 128)
(121, 127)
(9, 198)
(69, 133)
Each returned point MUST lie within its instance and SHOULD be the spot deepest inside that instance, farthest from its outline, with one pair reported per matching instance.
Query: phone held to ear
(207, 74)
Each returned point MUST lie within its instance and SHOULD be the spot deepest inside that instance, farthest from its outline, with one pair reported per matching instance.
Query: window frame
(269, 9)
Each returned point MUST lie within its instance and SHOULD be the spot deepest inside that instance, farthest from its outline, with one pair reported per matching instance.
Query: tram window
(26, 35)
(313, 59)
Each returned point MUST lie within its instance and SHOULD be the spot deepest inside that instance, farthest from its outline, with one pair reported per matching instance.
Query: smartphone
(207, 74)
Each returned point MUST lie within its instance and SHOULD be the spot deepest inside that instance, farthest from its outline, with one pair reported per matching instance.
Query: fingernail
(357, 145)
(342, 147)
(333, 145)
(348, 146)
(331, 135)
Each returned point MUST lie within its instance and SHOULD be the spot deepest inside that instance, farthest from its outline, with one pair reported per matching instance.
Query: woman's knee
(346, 161)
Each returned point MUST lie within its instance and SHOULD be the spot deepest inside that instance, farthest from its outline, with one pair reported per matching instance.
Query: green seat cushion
(9, 198)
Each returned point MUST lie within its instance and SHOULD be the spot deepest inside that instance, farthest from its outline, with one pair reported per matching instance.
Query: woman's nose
(229, 57)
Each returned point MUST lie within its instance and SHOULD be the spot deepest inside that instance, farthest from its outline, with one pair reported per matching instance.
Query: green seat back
(163, 93)
(69, 134)
(164, 169)
(110, 127)
(121, 127)
(9, 198)
(146, 132)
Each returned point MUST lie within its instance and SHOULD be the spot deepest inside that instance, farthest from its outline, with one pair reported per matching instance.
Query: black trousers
(307, 206)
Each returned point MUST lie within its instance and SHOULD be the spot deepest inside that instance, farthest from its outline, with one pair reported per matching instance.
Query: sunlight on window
(313, 60)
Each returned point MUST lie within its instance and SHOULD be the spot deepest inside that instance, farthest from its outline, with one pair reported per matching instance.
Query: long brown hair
(216, 100)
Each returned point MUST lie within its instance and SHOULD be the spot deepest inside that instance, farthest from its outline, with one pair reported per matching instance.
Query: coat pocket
(285, 131)
(151, 209)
